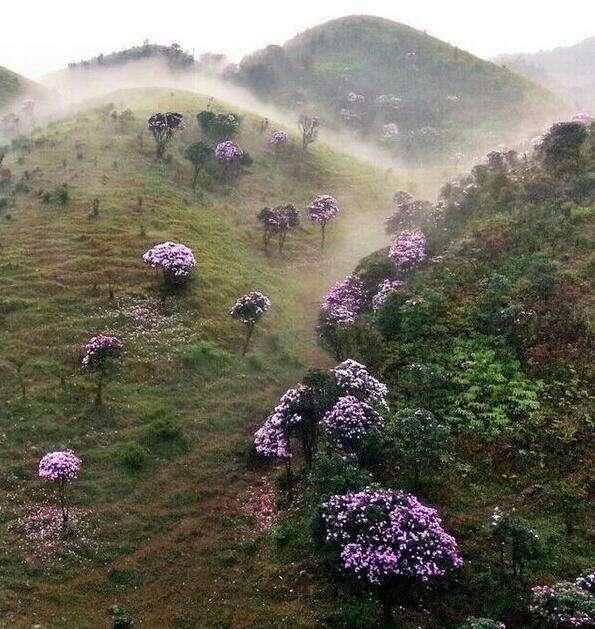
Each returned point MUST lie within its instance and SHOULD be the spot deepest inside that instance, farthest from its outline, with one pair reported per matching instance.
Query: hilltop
(368, 72)
(566, 70)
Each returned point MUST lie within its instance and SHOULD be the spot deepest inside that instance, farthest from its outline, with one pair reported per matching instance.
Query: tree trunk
(388, 620)
(63, 507)
(247, 340)
(323, 235)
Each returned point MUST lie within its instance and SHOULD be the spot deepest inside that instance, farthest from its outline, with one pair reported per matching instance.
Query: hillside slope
(567, 70)
(166, 511)
(368, 72)
(14, 86)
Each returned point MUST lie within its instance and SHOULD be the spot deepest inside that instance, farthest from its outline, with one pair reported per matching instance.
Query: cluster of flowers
(385, 290)
(353, 97)
(353, 378)
(355, 383)
(408, 250)
(583, 117)
(344, 301)
(100, 347)
(568, 604)
(323, 209)
(391, 101)
(228, 152)
(272, 439)
(59, 467)
(176, 260)
(390, 130)
(278, 139)
(249, 308)
(384, 535)
(349, 422)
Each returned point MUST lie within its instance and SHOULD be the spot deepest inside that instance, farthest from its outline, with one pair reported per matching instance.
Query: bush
(165, 434)
(132, 456)
(206, 358)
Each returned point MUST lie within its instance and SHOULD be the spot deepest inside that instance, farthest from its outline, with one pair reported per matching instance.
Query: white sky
(38, 36)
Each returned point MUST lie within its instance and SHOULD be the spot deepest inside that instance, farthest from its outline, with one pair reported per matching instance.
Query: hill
(14, 86)
(478, 318)
(166, 512)
(367, 72)
(567, 70)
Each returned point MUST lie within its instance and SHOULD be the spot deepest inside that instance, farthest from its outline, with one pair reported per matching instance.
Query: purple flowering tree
(101, 352)
(60, 468)
(385, 289)
(278, 221)
(321, 211)
(353, 378)
(164, 126)
(565, 604)
(408, 250)
(175, 260)
(278, 140)
(349, 423)
(249, 309)
(387, 539)
(344, 301)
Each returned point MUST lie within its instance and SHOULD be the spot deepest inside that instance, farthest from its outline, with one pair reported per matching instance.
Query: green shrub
(132, 456)
(206, 358)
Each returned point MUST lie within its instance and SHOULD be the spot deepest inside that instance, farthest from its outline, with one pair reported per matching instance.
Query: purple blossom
(249, 308)
(228, 152)
(344, 301)
(385, 290)
(349, 422)
(176, 260)
(386, 535)
(100, 347)
(278, 139)
(408, 250)
(323, 209)
(59, 467)
(353, 378)
(565, 604)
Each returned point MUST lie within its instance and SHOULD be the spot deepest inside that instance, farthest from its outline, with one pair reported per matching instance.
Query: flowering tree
(390, 131)
(565, 604)
(164, 127)
(278, 140)
(323, 210)
(353, 378)
(387, 538)
(344, 301)
(349, 422)
(408, 211)
(218, 125)
(385, 289)
(60, 468)
(175, 260)
(408, 250)
(228, 152)
(249, 309)
(278, 221)
(100, 353)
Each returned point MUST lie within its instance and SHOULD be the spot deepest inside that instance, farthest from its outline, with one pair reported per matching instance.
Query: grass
(164, 480)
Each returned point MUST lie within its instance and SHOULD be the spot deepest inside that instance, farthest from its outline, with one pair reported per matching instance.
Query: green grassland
(168, 537)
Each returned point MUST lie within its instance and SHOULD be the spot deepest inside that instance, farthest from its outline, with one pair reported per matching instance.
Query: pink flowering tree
(248, 310)
(353, 378)
(164, 126)
(230, 157)
(176, 261)
(278, 140)
(408, 250)
(349, 423)
(386, 540)
(323, 210)
(565, 604)
(60, 468)
(101, 353)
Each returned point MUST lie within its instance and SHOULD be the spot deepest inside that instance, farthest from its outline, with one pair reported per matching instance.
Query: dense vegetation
(174, 56)
(477, 319)
(396, 85)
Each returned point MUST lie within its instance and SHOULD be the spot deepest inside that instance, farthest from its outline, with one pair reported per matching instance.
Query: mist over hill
(393, 84)
(566, 70)
(14, 86)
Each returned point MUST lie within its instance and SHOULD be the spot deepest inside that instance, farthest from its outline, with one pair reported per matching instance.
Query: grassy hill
(165, 501)
(439, 86)
(567, 70)
(13, 86)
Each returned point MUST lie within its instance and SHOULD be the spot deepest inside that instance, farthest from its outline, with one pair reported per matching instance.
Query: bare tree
(309, 126)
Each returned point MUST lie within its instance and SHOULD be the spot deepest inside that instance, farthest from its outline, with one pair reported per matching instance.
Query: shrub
(565, 604)
(218, 125)
(164, 126)
(249, 309)
(132, 456)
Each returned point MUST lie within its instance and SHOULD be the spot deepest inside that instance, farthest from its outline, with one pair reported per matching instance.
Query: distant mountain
(369, 72)
(569, 71)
